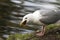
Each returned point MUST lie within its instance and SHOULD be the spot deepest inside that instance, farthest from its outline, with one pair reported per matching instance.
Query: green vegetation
(50, 28)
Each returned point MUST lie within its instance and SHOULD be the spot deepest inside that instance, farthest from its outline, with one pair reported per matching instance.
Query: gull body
(42, 18)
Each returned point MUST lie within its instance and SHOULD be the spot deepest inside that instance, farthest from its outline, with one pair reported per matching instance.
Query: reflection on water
(29, 6)
(14, 30)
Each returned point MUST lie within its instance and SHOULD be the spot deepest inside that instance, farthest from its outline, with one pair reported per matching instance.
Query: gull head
(26, 19)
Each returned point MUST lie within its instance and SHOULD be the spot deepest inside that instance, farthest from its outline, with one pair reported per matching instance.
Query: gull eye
(25, 18)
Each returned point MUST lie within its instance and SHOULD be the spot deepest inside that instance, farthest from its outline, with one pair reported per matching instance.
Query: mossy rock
(32, 36)
(22, 37)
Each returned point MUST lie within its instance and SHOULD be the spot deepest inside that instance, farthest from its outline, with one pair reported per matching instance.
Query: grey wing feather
(49, 16)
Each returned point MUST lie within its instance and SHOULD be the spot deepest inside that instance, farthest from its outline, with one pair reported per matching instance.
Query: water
(29, 6)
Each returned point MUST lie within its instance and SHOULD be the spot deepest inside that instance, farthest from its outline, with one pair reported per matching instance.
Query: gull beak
(23, 23)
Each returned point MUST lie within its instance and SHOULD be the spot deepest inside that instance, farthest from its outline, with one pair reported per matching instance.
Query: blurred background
(12, 11)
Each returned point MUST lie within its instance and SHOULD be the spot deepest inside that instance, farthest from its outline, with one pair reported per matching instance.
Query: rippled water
(29, 6)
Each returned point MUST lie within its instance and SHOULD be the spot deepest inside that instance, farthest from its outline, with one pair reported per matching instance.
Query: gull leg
(42, 32)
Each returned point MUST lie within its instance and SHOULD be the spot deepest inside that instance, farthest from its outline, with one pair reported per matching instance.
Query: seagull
(42, 17)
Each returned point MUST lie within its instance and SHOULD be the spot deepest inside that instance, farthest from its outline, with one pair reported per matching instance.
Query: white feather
(34, 17)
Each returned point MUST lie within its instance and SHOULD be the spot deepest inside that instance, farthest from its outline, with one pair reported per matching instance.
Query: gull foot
(40, 34)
